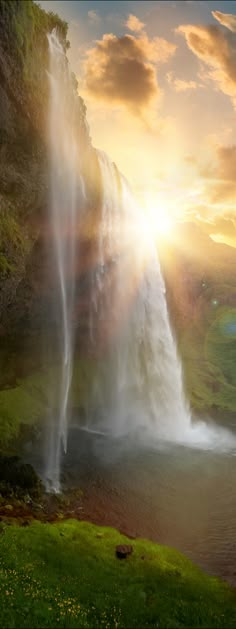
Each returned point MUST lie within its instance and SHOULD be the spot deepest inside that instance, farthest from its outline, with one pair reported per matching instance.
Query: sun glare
(159, 218)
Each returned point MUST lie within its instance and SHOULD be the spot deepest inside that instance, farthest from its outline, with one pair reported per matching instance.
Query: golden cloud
(218, 50)
(180, 85)
(121, 70)
(226, 19)
(221, 180)
(215, 209)
(227, 162)
(222, 229)
(221, 226)
(134, 24)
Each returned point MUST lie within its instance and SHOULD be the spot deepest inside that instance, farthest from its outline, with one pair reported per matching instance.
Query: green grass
(220, 343)
(208, 352)
(67, 575)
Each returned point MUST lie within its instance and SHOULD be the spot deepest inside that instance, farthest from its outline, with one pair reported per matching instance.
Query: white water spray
(65, 193)
(139, 386)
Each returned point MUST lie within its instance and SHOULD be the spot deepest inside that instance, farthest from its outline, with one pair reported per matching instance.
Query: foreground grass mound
(68, 575)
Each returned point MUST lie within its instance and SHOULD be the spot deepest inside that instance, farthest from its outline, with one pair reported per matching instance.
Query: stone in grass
(123, 551)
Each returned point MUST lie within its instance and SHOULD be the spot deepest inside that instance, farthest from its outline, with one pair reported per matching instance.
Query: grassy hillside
(68, 575)
(201, 291)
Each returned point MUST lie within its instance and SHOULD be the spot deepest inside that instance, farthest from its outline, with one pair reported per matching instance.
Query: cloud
(215, 206)
(218, 51)
(227, 162)
(93, 17)
(226, 19)
(180, 85)
(122, 70)
(134, 24)
(221, 179)
(222, 229)
(219, 225)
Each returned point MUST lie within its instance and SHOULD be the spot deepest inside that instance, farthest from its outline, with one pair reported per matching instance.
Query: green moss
(28, 19)
(67, 575)
(6, 267)
(28, 401)
(30, 24)
(10, 232)
(18, 406)
(14, 244)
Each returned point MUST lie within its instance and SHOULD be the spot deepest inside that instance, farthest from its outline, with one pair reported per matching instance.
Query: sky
(159, 82)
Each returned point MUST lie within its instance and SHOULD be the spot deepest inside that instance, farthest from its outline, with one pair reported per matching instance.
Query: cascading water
(139, 385)
(138, 389)
(66, 190)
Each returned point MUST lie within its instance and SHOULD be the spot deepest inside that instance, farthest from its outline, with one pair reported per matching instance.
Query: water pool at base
(175, 495)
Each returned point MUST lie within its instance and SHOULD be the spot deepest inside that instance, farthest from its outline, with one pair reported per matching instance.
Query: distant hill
(200, 277)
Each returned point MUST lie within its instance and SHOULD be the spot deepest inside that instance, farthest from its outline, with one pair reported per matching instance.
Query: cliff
(23, 140)
(25, 277)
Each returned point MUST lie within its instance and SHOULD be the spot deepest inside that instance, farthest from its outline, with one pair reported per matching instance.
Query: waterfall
(138, 386)
(139, 383)
(66, 190)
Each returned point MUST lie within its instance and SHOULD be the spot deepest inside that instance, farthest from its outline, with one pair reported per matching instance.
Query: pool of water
(172, 494)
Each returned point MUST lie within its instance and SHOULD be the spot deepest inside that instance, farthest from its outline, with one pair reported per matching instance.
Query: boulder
(123, 551)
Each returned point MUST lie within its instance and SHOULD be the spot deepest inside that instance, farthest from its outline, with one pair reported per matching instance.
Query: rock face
(23, 155)
(23, 178)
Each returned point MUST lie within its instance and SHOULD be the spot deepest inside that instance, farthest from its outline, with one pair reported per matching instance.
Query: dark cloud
(122, 70)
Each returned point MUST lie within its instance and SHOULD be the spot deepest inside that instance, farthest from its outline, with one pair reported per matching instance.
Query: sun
(159, 218)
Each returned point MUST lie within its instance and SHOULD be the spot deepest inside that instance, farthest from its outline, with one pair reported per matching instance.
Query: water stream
(66, 190)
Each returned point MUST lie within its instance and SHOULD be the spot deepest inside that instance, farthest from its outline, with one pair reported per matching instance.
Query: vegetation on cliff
(25, 401)
(23, 93)
(201, 293)
(23, 133)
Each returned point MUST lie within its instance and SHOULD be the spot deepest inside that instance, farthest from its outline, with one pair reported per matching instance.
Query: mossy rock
(17, 474)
